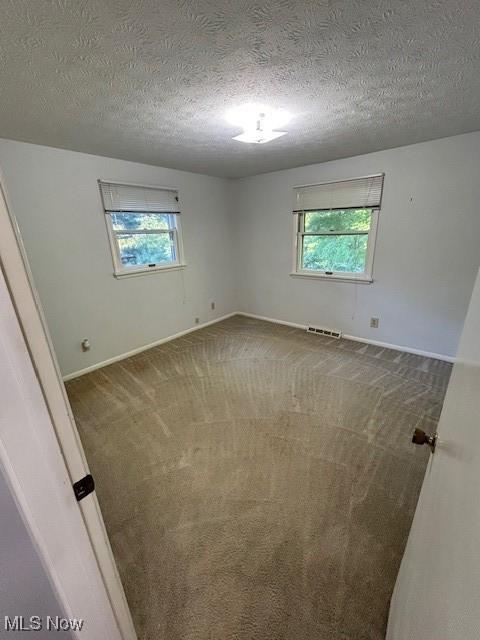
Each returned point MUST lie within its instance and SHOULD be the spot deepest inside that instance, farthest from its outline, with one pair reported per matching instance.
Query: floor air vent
(331, 333)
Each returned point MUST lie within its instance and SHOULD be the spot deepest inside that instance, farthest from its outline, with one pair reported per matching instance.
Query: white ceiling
(150, 80)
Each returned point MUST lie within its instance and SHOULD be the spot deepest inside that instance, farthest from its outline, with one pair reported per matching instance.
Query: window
(337, 242)
(144, 228)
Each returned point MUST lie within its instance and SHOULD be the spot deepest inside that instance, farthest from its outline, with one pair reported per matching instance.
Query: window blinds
(124, 197)
(358, 193)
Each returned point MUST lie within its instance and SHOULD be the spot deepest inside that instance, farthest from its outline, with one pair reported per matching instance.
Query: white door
(32, 463)
(29, 313)
(437, 595)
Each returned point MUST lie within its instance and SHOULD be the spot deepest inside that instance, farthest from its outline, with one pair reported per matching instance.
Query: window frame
(366, 277)
(120, 270)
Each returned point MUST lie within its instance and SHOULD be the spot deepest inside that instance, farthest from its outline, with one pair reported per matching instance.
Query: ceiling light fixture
(258, 123)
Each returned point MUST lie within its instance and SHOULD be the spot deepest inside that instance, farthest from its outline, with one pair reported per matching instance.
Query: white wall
(55, 197)
(427, 254)
(425, 264)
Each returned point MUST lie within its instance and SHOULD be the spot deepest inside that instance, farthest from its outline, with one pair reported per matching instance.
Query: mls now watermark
(39, 623)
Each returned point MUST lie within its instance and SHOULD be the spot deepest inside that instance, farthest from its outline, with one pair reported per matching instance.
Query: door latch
(83, 487)
(420, 437)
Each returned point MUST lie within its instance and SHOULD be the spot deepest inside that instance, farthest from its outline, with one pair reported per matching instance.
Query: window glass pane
(335, 253)
(344, 220)
(136, 221)
(152, 248)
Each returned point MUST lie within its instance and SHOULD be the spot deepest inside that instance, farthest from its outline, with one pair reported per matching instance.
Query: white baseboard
(295, 325)
(145, 347)
(396, 347)
(377, 343)
(123, 356)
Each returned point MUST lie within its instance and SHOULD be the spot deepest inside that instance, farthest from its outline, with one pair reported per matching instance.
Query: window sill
(336, 277)
(149, 270)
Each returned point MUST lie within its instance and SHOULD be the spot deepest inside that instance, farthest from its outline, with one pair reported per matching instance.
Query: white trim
(334, 276)
(319, 184)
(120, 271)
(296, 325)
(36, 335)
(42, 489)
(396, 347)
(298, 234)
(133, 352)
(377, 343)
(144, 271)
(136, 184)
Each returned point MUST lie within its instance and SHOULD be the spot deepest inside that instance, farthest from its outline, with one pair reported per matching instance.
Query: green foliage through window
(338, 220)
(139, 221)
(143, 249)
(137, 249)
(334, 241)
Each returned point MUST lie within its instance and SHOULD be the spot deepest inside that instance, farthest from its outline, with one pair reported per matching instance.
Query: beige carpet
(258, 482)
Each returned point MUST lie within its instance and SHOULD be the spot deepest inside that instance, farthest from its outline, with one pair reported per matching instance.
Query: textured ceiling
(150, 80)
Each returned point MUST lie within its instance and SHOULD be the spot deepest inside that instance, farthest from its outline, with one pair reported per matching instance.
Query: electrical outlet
(374, 323)
(212, 305)
(197, 320)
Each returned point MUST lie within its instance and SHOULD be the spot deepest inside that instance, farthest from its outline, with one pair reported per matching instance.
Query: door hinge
(83, 487)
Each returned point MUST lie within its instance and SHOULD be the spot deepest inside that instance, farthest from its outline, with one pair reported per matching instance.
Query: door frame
(31, 320)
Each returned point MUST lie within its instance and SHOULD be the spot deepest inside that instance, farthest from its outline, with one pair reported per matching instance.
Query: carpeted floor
(258, 482)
